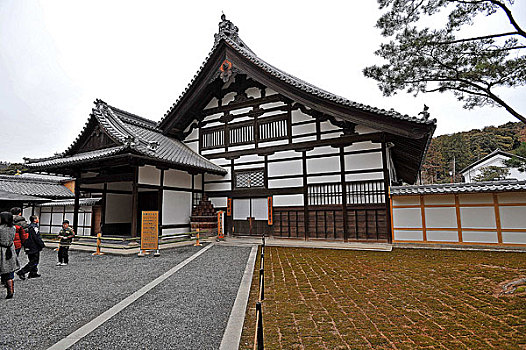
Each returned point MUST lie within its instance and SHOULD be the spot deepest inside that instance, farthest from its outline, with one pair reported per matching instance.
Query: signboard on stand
(150, 230)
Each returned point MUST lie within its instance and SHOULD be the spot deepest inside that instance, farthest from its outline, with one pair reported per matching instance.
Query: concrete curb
(234, 327)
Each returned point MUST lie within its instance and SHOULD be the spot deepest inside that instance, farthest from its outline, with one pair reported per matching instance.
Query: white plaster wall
(240, 209)
(193, 135)
(305, 139)
(298, 116)
(323, 165)
(513, 217)
(363, 161)
(221, 162)
(291, 167)
(289, 200)
(213, 151)
(332, 135)
(439, 199)
(198, 183)
(364, 176)
(512, 197)
(241, 111)
(177, 207)
(194, 146)
(284, 155)
(303, 129)
(213, 116)
(248, 158)
(273, 143)
(324, 150)
(328, 126)
(442, 236)
(269, 92)
(118, 208)
(479, 237)
(359, 146)
(212, 177)
(441, 217)
(283, 183)
(406, 200)
(253, 92)
(323, 179)
(223, 186)
(218, 202)
(212, 104)
(514, 237)
(249, 166)
(477, 198)
(228, 98)
(407, 218)
(242, 147)
(177, 178)
(272, 105)
(149, 175)
(477, 217)
(407, 235)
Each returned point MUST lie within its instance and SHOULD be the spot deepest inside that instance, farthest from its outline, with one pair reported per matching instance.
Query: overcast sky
(57, 57)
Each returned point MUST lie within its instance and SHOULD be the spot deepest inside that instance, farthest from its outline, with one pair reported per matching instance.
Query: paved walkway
(160, 303)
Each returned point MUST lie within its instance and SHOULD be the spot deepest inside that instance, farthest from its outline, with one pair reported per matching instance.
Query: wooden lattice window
(250, 178)
(273, 128)
(241, 134)
(365, 192)
(212, 138)
(324, 194)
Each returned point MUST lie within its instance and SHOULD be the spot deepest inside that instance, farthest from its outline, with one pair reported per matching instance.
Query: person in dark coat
(65, 235)
(8, 259)
(32, 247)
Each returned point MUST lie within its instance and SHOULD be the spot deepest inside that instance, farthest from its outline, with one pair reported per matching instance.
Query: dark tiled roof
(492, 154)
(34, 187)
(471, 187)
(9, 196)
(229, 34)
(84, 202)
(135, 135)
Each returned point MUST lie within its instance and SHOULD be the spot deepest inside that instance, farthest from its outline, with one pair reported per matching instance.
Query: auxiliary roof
(128, 134)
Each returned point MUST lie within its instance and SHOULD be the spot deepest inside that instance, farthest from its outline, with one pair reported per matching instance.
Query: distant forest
(467, 147)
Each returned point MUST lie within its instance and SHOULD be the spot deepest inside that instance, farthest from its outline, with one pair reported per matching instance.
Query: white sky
(57, 57)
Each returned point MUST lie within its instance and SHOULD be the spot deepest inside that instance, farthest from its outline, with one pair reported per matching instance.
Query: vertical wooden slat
(497, 217)
(459, 221)
(423, 214)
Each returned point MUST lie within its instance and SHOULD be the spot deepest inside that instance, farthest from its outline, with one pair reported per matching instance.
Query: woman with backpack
(8, 260)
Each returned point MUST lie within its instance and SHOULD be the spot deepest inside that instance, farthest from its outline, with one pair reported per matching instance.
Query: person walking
(8, 259)
(65, 235)
(32, 246)
(21, 226)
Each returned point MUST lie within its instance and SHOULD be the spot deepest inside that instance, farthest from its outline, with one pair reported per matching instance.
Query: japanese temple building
(279, 155)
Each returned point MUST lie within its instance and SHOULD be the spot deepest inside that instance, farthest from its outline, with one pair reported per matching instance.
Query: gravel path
(49, 308)
(189, 310)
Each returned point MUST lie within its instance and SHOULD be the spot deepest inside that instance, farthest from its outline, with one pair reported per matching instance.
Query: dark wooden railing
(258, 336)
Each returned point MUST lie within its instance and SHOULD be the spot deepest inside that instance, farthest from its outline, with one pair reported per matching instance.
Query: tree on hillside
(519, 163)
(429, 60)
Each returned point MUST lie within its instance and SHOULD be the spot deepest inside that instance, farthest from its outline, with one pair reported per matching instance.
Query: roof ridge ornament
(226, 29)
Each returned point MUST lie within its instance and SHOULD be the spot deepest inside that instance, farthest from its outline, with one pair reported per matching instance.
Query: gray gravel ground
(189, 310)
(47, 309)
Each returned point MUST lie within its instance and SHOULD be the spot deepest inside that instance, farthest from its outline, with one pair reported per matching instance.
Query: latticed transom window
(252, 178)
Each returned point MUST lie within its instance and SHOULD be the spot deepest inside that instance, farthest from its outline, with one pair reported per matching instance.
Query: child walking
(65, 235)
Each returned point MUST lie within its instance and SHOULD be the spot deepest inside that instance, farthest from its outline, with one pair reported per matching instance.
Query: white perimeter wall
(482, 218)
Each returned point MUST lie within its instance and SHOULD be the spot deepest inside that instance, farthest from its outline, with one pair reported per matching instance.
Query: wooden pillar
(160, 197)
(103, 208)
(344, 194)
(387, 183)
(135, 202)
(76, 205)
(423, 214)
(305, 194)
(459, 221)
(497, 217)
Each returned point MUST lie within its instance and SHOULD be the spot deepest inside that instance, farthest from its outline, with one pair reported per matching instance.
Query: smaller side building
(495, 158)
(481, 213)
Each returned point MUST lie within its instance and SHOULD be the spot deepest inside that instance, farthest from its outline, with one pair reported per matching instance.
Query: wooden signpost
(149, 232)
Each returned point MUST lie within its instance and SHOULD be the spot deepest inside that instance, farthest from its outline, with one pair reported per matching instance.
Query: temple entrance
(250, 216)
(147, 201)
